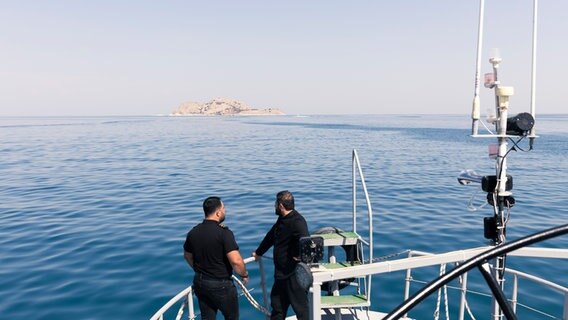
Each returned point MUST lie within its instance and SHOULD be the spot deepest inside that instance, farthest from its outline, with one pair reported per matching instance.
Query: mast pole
(500, 194)
(498, 187)
(532, 133)
(475, 113)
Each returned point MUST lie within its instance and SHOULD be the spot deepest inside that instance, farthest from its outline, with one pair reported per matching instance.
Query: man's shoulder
(224, 227)
(298, 215)
(196, 227)
(208, 227)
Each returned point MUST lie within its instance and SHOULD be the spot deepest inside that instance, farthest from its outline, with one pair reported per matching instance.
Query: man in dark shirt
(211, 250)
(284, 236)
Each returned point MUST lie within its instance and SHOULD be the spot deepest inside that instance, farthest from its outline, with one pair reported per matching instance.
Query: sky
(145, 57)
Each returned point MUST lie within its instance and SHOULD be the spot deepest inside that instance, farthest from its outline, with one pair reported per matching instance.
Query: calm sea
(94, 210)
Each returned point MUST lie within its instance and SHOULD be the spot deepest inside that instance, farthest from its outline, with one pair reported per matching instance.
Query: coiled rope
(250, 298)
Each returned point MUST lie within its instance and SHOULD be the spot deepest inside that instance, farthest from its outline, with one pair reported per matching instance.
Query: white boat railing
(358, 170)
(416, 259)
(186, 296)
(516, 275)
(419, 259)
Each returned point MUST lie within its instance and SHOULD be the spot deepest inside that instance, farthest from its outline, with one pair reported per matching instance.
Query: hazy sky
(118, 57)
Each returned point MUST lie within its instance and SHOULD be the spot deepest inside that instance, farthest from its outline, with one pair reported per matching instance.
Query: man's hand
(245, 279)
(256, 257)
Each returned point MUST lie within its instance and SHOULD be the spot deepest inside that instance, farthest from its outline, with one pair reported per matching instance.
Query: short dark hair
(286, 198)
(210, 205)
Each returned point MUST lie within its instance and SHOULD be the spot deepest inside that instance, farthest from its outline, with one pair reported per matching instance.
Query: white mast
(475, 108)
(533, 71)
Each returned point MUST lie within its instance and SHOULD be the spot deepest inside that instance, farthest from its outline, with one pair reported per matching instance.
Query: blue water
(94, 210)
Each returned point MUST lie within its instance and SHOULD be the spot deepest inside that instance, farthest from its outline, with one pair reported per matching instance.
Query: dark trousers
(216, 295)
(286, 292)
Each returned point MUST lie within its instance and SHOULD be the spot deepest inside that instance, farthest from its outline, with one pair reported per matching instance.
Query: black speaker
(489, 228)
(489, 183)
(520, 124)
(311, 249)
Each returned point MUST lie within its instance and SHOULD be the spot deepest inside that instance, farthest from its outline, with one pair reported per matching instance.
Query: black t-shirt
(285, 235)
(209, 242)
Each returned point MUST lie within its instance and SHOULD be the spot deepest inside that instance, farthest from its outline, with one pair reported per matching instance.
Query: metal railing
(515, 274)
(356, 169)
(186, 296)
(480, 261)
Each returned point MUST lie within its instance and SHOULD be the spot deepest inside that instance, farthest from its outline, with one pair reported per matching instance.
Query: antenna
(475, 107)
(532, 134)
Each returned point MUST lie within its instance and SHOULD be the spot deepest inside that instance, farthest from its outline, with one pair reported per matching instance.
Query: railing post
(357, 165)
(354, 187)
(263, 285)
(515, 292)
(190, 310)
(565, 313)
(316, 302)
(463, 296)
(407, 283)
(407, 279)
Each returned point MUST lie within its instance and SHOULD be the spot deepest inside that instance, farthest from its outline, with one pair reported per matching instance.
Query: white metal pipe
(533, 64)
(190, 304)
(540, 281)
(555, 253)
(369, 208)
(425, 261)
(463, 296)
(515, 293)
(169, 304)
(407, 283)
(263, 285)
(565, 313)
(370, 217)
(475, 113)
(316, 301)
(354, 187)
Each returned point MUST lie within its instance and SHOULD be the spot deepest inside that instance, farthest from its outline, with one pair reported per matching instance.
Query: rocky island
(222, 107)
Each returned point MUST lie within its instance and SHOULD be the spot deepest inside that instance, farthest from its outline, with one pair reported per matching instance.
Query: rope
(437, 311)
(250, 298)
(392, 255)
(445, 289)
(466, 304)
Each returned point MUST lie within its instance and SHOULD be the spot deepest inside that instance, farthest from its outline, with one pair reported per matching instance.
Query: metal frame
(479, 261)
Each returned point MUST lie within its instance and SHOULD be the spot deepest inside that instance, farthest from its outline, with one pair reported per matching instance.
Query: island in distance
(222, 107)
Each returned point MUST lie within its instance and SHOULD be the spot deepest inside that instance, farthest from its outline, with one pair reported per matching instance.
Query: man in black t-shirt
(211, 250)
(285, 235)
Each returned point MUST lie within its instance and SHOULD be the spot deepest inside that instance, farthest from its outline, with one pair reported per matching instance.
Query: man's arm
(266, 243)
(301, 228)
(238, 265)
(188, 257)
